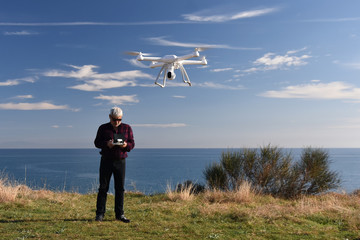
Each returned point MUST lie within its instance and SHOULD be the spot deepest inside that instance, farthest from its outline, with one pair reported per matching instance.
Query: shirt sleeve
(100, 141)
(130, 140)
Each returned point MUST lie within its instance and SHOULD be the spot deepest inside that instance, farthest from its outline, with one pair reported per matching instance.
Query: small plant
(195, 188)
(216, 177)
(270, 170)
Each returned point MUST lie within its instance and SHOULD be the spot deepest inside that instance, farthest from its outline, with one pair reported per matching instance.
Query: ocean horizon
(148, 170)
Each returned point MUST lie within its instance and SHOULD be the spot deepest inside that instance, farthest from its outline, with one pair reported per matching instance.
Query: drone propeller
(137, 53)
(201, 49)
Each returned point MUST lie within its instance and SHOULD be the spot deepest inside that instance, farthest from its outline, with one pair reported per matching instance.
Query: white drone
(169, 63)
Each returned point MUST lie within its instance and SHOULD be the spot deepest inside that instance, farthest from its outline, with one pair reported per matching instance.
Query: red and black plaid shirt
(106, 133)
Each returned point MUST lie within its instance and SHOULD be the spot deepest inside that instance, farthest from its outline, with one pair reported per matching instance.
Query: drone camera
(171, 75)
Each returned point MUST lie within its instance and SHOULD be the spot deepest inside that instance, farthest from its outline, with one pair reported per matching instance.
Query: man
(114, 139)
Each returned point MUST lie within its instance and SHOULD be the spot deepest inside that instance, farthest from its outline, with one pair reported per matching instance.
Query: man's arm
(130, 142)
(99, 141)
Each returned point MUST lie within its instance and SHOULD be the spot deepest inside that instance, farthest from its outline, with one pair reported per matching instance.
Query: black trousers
(108, 168)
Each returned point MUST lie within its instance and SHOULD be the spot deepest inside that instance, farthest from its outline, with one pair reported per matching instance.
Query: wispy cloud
(353, 65)
(164, 42)
(33, 106)
(199, 17)
(94, 81)
(332, 20)
(204, 16)
(221, 69)
(218, 86)
(315, 90)
(177, 96)
(61, 24)
(165, 125)
(23, 97)
(119, 100)
(14, 82)
(136, 63)
(271, 61)
(99, 85)
(20, 33)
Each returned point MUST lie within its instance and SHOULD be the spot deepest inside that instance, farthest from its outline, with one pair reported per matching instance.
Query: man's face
(115, 120)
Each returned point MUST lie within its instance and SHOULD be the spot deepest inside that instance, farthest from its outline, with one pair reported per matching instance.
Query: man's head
(115, 116)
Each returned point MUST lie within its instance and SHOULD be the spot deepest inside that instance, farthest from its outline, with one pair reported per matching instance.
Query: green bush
(314, 173)
(272, 171)
(216, 177)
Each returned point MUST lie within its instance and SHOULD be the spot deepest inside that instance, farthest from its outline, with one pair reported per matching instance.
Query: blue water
(147, 170)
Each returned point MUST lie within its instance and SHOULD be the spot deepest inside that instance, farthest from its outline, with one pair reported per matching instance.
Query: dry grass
(184, 194)
(240, 204)
(11, 191)
(343, 207)
(246, 203)
(243, 194)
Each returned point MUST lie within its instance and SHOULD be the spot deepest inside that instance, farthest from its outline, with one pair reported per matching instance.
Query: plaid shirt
(106, 133)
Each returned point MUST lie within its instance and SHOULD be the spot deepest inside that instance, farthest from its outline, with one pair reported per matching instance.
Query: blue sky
(284, 73)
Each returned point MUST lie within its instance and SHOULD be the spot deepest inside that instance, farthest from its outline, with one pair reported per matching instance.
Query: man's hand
(110, 144)
(124, 145)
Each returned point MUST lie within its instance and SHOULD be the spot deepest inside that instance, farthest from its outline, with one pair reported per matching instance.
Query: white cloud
(20, 33)
(199, 17)
(164, 42)
(271, 61)
(33, 106)
(23, 97)
(166, 125)
(94, 81)
(177, 96)
(332, 90)
(14, 82)
(119, 100)
(221, 69)
(59, 24)
(98, 85)
(136, 63)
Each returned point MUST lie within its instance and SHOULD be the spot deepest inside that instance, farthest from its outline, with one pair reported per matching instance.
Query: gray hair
(116, 111)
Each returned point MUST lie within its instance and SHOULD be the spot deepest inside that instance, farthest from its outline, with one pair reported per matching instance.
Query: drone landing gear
(184, 75)
(164, 80)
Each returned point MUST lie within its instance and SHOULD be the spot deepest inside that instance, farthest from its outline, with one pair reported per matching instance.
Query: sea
(149, 171)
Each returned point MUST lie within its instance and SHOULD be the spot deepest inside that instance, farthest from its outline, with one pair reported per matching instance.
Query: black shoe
(99, 217)
(123, 219)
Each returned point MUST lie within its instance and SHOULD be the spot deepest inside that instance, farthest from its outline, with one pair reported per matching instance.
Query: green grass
(49, 215)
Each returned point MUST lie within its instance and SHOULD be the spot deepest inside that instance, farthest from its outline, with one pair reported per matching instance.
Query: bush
(216, 177)
(313, 174)
(272, 171)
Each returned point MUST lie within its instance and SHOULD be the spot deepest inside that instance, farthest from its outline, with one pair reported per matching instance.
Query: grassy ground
(42, 214)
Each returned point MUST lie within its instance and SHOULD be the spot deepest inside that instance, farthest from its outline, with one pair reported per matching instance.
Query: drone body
(170, 63)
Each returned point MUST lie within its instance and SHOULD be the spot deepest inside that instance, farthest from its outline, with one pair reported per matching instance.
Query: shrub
(216, 177)
(272, 171)
(313, 173)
